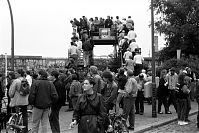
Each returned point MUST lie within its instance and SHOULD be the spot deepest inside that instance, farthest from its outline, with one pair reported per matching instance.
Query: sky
(42, 27)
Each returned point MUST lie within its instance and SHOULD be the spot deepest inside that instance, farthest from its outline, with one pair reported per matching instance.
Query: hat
(93, 69)
(107, 74)
(172, 69)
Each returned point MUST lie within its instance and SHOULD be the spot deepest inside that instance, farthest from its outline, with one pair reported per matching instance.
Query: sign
(104, 33)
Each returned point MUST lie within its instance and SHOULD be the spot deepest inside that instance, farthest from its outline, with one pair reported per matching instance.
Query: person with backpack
(55, 108)
(130, 94)
(19, 92)
(75, 90)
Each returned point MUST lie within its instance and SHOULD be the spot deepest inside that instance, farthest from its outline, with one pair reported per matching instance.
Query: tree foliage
(179, 22)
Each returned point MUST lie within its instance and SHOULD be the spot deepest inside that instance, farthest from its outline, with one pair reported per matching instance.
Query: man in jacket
(99, 84)
(55, 108)
(42, 95)
(129, 99)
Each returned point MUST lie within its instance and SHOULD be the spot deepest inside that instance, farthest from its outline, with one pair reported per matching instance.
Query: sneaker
(131, 128)
(110, 129)
(141, 113)
(160, 112)
(183, 123)
(168, 112)
(179, 122)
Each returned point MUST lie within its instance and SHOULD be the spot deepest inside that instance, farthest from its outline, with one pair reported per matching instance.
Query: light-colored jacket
(172, 80)
(131, 87)
(16, 98)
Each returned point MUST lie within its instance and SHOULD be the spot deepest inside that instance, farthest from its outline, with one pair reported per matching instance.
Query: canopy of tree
(178, 20)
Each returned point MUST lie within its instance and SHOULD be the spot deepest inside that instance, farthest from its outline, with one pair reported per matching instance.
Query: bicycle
(118, 123)
(15, 122)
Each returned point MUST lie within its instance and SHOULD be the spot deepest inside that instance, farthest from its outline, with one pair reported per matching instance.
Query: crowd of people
(81, 41)
(99, 92)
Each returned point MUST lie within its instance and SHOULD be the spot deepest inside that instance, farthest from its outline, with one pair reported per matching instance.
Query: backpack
(24, 88)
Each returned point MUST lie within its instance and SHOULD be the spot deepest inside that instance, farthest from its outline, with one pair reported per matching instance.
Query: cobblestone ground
(175, 128)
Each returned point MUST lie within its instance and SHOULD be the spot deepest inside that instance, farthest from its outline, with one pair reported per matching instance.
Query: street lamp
(154, 113)
(12, 36)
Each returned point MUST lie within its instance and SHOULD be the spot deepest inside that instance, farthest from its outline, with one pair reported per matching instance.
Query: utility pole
(154, 113)
(12, 36)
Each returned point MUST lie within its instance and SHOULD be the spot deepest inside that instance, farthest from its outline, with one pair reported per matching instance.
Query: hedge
(179, 64)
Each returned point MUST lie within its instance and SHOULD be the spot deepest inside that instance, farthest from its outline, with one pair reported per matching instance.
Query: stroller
(118, 123)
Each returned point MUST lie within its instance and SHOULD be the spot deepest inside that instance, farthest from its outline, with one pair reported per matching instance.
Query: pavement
(143, 122)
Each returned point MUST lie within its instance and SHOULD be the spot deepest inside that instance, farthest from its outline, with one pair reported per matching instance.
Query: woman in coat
(163, 93)
(90, 113)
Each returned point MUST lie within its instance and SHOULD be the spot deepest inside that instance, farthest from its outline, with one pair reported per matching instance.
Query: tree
(179, 22)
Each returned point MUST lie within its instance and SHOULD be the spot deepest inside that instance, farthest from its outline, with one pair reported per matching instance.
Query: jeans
(119, 98)
(139, 102)
(54, 120)
(172, 99)
(129, 110)
(198, 116)
(40, 115)
(182, 109)
(188, 102)
(23, 109)
(74, 101)
(87, 57)
(163, 100)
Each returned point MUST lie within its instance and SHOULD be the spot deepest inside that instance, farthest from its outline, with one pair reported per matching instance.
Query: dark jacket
(122, 79)
(110, 95)
(163, 90)
(42, 94)
(60, 88)
(87, 45)
(90, 114)
(197, 92)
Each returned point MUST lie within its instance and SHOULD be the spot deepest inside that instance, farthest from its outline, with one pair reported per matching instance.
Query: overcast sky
(42, 27)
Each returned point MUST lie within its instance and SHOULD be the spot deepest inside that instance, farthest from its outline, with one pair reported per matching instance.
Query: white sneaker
(179, 122)
(185, 123)
(110, 129)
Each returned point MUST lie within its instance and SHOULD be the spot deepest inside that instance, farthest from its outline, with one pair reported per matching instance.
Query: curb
(161, 124)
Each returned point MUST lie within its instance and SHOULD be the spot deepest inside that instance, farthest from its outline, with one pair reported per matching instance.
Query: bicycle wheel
(12, 121)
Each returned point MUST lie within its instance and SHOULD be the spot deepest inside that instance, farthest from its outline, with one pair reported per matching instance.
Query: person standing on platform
(87, 48)
(138, 59)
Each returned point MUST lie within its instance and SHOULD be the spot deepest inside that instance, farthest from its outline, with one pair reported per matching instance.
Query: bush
(179, 64)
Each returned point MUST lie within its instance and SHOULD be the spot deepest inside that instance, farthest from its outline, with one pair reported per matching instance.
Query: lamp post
(12, 36)
(6, 74)
(154, 113)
